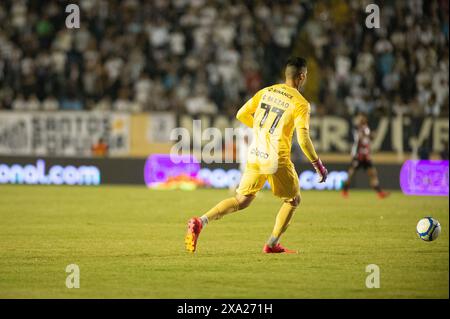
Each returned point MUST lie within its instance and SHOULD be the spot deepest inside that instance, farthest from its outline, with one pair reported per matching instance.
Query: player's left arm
(304, 140)
(245, 113)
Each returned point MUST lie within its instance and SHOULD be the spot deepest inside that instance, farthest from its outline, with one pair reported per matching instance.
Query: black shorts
(364, 164)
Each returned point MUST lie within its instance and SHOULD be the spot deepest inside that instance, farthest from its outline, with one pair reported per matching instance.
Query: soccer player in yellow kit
(273, 113)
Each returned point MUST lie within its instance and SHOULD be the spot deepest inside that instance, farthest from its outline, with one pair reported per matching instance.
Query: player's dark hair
(297, 62)
(294, 66)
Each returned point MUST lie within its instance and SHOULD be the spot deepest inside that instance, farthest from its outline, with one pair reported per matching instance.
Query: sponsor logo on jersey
(289, 96)
(258, 153)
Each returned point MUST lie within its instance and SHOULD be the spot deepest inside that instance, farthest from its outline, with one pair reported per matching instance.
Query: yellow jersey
(273, 113)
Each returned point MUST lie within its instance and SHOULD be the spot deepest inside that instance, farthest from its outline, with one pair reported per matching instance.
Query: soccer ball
(428, 229)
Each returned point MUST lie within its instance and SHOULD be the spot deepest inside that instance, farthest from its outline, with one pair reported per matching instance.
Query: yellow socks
(282, 222)
(231, 205)
(226, 206)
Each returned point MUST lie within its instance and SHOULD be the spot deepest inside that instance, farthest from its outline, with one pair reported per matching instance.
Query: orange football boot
(277, 249)
(383, 194)
(194, 228)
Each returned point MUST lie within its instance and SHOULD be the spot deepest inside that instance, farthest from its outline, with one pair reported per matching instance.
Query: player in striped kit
(361, 158)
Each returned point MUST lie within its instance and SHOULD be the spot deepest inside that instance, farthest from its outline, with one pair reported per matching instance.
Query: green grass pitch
(129, 243)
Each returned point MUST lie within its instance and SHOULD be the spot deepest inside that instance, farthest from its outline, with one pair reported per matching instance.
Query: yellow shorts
(284, 182)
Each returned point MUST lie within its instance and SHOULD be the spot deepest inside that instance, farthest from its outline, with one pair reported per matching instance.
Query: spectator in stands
(159, 52)
(407, 56)
(100, 148)
(50, 103)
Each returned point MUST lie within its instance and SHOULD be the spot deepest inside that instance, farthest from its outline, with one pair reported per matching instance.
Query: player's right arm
(246, 112)
(304, 140)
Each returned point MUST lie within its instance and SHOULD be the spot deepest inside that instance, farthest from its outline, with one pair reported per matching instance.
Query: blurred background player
(273, 113)
(361, 157)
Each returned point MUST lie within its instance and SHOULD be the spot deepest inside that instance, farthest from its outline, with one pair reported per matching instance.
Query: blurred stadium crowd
(402, 67)
(200, 56)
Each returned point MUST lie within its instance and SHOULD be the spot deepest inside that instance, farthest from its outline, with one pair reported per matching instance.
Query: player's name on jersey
(273, 100)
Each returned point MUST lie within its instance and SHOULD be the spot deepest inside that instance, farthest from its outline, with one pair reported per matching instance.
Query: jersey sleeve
(301, 122)
(245, 113)
(302, 115)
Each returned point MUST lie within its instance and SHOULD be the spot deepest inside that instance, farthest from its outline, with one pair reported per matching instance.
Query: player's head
(362, 119)
(296, 71)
